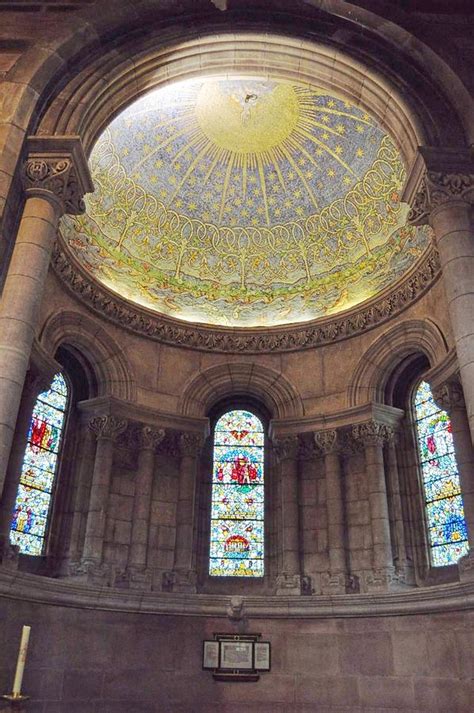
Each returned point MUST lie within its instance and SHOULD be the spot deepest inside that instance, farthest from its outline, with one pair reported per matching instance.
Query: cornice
(146, 323)
(121, 409)
(345, 418)
(21, 586)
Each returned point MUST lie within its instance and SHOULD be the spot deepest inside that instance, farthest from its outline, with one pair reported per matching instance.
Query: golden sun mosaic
(245, 202)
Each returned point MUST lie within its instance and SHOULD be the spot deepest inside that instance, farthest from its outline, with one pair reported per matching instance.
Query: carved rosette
(190, 444)
(449, 395)
(327, 441)
(148, 439)
(436, 189)
(286, 448)
(372, 433)
(107, 427)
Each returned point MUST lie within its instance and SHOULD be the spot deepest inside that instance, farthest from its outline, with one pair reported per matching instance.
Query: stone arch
(386, 352)
(241, 379)
(111, 367)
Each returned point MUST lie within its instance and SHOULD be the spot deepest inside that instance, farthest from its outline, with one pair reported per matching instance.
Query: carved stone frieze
(449, 395)
(436, 189)
(107, 427)
(372, 433)
(283, 339)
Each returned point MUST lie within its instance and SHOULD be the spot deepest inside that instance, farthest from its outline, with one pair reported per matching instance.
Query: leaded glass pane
(33, 501)
(443, 501)
(237, 509)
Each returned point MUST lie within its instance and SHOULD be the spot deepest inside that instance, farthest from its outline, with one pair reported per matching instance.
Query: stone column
(449, 396)
(184, 575)
(55, 177)
(373, 435)
(440, 189)
(148, 440)
(33, 386)
(396, 502)
(106, 429)
(289, 580)
(336, 579)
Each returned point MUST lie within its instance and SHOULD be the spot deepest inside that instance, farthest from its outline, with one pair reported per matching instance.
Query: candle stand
(15, 704)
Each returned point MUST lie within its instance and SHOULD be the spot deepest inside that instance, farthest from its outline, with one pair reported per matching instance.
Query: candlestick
(20, 664)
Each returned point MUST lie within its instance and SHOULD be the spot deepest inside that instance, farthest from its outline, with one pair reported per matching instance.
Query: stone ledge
(42, 590)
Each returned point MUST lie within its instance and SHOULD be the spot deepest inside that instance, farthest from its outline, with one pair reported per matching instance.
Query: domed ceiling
(245, 202)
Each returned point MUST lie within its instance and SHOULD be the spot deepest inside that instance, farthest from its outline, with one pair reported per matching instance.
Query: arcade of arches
(237, 352)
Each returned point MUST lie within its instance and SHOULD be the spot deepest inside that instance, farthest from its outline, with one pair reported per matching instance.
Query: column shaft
(382, 548)
(335, 511)
(17, 454)
(451, 222)
(107, 428)
(184, 548)
(289, 505)
(19, 306)
(394, 483)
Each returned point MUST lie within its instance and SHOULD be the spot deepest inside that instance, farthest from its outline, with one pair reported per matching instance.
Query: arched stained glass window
(442, 490)
(237, 510)
(33, 500)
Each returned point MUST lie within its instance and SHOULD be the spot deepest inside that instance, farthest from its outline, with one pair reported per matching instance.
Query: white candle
(20, 664)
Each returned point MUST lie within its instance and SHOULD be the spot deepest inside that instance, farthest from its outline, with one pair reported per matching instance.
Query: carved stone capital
(190, 444)
(286, 448)
(437, 177)
(327, 441)
(56, 169)
(107, 427)
(449, 395)
(148, 439)
(372, 433)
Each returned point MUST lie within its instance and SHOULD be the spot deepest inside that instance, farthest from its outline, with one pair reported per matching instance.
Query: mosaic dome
(245, 202)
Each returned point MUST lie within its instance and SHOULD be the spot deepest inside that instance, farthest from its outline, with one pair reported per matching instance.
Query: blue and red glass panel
(443, 500)
(33, 501)
(237, 510)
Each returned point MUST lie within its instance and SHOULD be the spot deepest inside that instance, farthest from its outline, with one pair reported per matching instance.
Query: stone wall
(85, 661)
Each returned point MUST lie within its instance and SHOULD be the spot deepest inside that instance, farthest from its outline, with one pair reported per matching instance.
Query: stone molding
(56, 169)
(248, 341)
(327, 441)
(107, 427)
(148, 439)
(449, 395)
(372, 433)
(22, 586)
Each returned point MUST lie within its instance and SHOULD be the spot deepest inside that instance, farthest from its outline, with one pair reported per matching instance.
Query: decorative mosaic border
(240, 340)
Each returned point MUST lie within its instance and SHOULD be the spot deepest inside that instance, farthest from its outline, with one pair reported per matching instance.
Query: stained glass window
(442, 490)
(33, 500)
(237, 510)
